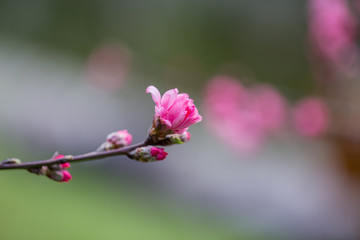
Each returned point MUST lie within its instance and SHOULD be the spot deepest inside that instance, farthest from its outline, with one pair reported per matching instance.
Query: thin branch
(71, 159)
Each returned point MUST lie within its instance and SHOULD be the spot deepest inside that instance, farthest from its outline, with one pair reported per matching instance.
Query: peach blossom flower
(176, 112)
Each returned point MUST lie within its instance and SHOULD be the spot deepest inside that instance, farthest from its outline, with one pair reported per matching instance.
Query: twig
(71, 159)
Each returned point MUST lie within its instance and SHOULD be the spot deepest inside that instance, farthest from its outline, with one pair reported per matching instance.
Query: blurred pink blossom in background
(332, 31)
(271, 105)
(310, 117)
(242, 117)
(108, 66)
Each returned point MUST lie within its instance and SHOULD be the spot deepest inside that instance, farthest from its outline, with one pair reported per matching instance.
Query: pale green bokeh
(37, 208)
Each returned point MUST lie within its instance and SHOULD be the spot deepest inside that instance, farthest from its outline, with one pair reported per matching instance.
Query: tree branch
(71, 159)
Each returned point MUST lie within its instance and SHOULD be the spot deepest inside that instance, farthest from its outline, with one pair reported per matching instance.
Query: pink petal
(167, 122)
(169, 98)
(178, 107)
(187, 123)
(179, 119)
(192, 116)
(156, 96)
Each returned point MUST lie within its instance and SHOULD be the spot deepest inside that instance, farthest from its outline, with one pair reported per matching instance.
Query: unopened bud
(11, 161)
(158, 153)
(66, 176)
(116, 140)
(59, 176)
(61, 166)
(185, 136)
(69, 157)
(56, 172)
(65, 165)
(176, 138)
(148, 154)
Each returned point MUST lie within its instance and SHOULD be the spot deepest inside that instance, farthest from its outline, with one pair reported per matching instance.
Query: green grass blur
(37, 208)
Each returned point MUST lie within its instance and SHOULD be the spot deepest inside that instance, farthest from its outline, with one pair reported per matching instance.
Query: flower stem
(71, 159)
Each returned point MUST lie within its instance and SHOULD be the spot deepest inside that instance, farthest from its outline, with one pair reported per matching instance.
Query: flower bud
(158, 153)
(56, 172)
(11, 161)
(65, 165)
(185, 136)
(59, 176)
(148, 154)
(116, 140)
(66, 176)
(60, 166)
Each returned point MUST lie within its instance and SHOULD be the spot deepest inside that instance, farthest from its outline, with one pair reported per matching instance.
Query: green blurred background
(202, 191)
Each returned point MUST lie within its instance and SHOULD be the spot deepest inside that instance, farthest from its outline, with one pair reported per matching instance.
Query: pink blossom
(243, 117)
(271, 105)
(175, 111)
(66, 176)
(332, 30)
(310, 117)
(159, 153)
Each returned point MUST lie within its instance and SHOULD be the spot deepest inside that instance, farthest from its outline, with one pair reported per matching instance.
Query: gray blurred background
(73, 71)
